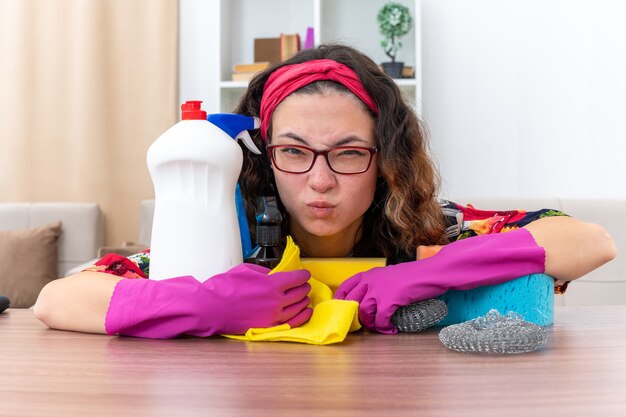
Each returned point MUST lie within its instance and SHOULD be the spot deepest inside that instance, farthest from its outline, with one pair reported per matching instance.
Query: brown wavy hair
(405, 212)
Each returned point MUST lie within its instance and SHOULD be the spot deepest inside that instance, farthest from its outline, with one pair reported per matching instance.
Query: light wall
(527, 98)
(522, 98)
(197, 56)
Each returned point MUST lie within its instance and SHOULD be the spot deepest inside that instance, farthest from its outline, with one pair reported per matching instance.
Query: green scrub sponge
(530, 296)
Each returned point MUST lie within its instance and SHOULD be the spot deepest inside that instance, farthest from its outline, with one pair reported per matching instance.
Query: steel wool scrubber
(419, 316)
(531, 296)
(494, 333)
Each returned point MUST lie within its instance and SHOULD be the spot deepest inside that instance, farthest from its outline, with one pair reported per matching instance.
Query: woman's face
(321, 202)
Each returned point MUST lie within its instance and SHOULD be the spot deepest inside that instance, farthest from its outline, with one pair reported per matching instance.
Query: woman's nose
(321, 177)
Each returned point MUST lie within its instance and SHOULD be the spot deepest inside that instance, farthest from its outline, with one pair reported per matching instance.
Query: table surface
(580, 372)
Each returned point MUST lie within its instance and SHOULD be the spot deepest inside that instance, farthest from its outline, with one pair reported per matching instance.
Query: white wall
(527, 98)
(197, 52)
(522, 97)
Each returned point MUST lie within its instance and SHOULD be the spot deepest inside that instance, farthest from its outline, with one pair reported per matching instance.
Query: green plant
(394, 21)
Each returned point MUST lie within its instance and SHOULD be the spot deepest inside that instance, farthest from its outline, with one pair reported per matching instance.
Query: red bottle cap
(192, 110)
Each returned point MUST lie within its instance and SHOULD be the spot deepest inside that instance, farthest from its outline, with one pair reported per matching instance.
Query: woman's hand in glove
(246, 296)
(461, 265)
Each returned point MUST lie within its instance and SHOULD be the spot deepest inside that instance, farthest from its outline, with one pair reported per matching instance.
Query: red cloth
(285, 80)
(119, 265)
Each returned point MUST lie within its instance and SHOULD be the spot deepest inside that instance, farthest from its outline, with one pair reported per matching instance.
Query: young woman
(348, 161)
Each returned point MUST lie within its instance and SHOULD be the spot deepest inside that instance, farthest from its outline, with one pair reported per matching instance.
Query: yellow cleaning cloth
(334, 271)
(332, 319)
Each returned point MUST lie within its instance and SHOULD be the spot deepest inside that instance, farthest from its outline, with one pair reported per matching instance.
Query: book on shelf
(245, 72)
(407, 72)
(253, 67)
(289, 45)
(267, 50)
(243, 75)
(275, 50)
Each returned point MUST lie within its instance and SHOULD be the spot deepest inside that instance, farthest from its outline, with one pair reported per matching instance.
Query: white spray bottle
(194, 167)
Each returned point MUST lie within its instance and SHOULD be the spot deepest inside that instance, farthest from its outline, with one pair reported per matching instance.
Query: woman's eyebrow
(293, 136)
(340, 142)
(350, 139)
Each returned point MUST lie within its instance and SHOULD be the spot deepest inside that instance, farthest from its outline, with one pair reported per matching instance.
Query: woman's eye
(352, 153)
(291, 151)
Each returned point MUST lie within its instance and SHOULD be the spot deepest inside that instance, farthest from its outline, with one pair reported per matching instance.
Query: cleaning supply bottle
(194, 167)
(267, 253)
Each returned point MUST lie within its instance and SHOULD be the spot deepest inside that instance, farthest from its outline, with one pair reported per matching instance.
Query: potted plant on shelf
(394, 21)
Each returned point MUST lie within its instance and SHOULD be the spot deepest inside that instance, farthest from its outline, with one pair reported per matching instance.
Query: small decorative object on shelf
(309, 41)
(267, 50)
(289, 45)
(394, 21)
(245, 72)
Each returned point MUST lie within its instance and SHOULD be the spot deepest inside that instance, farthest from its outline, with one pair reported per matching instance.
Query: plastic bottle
(194, 167)
(267, 253)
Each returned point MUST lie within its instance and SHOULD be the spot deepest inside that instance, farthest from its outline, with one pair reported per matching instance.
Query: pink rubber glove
(461, 265)
(229, 303)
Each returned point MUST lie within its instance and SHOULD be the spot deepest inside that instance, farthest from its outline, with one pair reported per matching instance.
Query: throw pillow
(28, 261)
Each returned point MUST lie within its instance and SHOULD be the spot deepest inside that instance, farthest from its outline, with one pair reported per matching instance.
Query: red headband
(285, 80)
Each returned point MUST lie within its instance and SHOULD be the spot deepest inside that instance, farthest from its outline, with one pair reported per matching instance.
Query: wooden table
(581, 372)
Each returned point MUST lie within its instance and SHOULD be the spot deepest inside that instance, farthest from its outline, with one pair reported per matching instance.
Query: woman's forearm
(573, 247)
(78, 302)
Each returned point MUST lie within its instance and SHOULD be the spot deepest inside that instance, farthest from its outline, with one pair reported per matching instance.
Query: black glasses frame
(372, 151)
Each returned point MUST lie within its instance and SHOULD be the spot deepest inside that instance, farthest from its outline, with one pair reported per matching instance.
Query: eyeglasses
(298, 159)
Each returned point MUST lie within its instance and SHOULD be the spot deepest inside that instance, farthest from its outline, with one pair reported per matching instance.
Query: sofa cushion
(82, 227)
(28, 261)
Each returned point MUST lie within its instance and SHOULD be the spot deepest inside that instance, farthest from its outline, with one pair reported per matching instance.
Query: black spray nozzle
(267, 213)
(268, 219)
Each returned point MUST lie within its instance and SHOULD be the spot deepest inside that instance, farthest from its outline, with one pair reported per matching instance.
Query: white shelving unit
(217, 34)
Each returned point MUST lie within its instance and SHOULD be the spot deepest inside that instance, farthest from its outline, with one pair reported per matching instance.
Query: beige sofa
(80, 237)
(607, 284)
(604, 286)
(81, 224)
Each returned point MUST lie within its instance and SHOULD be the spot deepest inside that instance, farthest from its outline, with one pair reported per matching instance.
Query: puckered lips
(320, 208)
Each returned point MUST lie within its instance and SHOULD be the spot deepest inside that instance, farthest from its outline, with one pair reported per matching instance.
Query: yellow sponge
(331, 320)
(334, 271)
